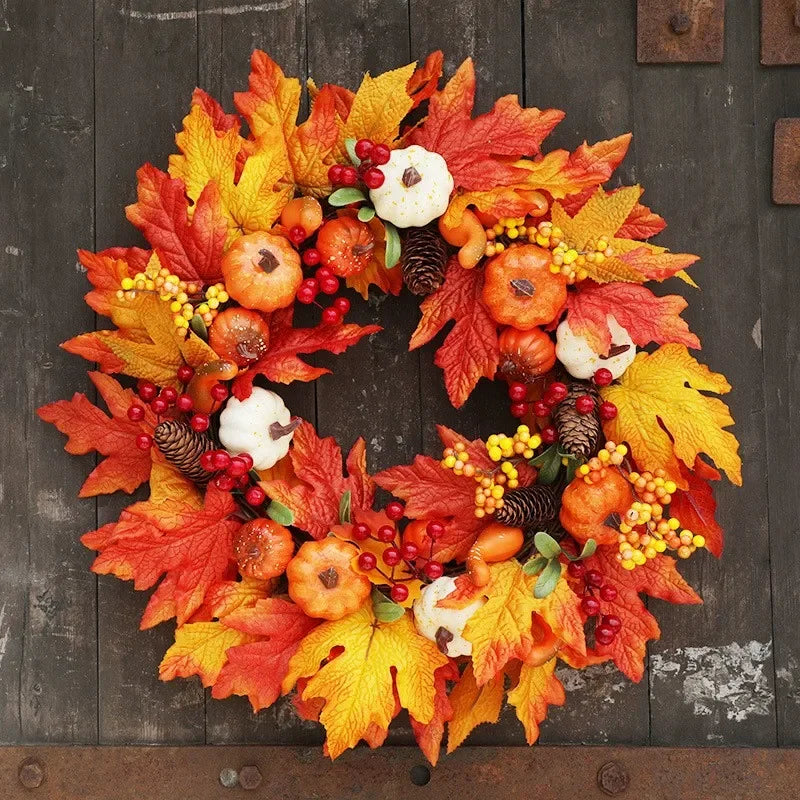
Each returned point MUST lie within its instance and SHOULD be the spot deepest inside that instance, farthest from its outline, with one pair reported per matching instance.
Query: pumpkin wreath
(497, 559)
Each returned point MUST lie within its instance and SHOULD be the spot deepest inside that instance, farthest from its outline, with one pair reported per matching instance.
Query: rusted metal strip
(780, 32)
(786, 162)
(547, 773)
(680, 31)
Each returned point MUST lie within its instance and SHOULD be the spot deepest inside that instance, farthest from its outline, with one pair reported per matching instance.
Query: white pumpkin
(261, 425)
(581, 361)
(429, 619)
(416, 188)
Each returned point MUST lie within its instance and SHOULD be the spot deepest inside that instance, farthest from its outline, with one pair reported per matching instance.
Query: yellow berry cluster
(184, 309)
(568, 260)
(595, 468)
(518, 230)
(522, 443)
(456, 458)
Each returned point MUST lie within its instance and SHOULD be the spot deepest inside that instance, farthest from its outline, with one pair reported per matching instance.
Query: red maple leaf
(695, 506)
(316, 498)
(644, 316)
(105, 271)
(478, 151)
(281, 364)
(90, 430)
(470, 350)
(191, 547)
(425, 80)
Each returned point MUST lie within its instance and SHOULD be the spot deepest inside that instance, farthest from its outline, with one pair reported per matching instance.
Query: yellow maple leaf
(357, 685)
(169, 484)
(473, 705)
(663, 416)
(200, 648)
(536, 688)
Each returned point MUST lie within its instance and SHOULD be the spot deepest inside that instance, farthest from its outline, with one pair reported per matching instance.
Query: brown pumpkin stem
(616, 350)
(522, 287)
(411, 177)
(278, 431)
(268, 261)
(443, 638)
(329, 578)
(362, 249)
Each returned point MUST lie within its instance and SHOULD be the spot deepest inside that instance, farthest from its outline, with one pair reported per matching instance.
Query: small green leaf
(549, 467)
(543, 457)
(343, 197)
(198, 325)
(547, 545)
(588, 549)
(392, 245)
(366, 213)
(344, 508)
(384, 609)
(280, 513)
(535, 565)
(350, 145)
(548, 580)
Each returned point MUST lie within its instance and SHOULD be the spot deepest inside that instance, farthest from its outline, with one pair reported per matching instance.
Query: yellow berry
(127, 283)
(604, 455)
(628, 564)
(698, 540)
(639, 557)
(492, 440)
(684, 551)
(670, 487)
(480, 513)
(660, 545)
(223, 297)
(497, 492)
(213, 302)
(584, 469)
(495, 453)
(450, 462)
(674, 523)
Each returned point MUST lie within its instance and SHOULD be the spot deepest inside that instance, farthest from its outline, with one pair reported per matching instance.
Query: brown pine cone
(182, 447)
(579, 434)
(531, 507)
(423, 260)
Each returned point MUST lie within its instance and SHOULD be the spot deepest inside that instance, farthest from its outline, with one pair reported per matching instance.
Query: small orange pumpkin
(469, 235)
(239, 335)
(262, 548)
(262, 271)
(345, 245)
(495, 542)
(525, 355)
(519, 289)
(322, 580)
(585, 507)
(205, 378)
(304, 212)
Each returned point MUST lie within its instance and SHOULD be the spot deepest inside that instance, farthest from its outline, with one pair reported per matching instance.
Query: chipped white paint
(756, 333)
(12, 250)
(53, 506)
(729, 95)
(788, 682)
(192, 13)
(80, 268)
(4, 26)
(4, 634)
(599, 682)
(730, 680)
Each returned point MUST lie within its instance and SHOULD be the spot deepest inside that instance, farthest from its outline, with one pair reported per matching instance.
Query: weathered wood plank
(47, 600)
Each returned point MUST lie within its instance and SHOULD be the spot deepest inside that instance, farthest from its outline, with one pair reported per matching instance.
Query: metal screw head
(250, 777)
(680, 22)
(31, 773)
(228, 777)
(612, 778)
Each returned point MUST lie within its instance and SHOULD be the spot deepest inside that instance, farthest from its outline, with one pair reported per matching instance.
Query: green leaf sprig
(547, 564)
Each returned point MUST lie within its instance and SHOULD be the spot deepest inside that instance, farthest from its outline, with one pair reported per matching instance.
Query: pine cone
(182, 447)
(531, 507)
(578, 434)
(423, 260)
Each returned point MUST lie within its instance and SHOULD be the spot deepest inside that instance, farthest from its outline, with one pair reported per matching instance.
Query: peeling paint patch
(4, 634)
(597, 682)
(221, 11)
(756, 333)
(730, 680)
(11, 250)
(788, 680)
(52, 505)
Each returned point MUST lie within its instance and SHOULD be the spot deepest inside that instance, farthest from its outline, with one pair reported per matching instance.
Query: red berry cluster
(326, 282)
(372, 156)
(608, 625)
(233, 472)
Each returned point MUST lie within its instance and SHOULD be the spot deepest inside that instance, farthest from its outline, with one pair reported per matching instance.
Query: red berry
(541, 409)
(329, 285)
(147, 390)
(331, 316)
(169, 394)
(255, 496)
(342, 305)
(409, 551)
(136, 413)
(363, 148)
(395, 510)
(207, 461)
(224, 482)
(590, 606)
(594, 578)
(349, 176)
(361, 531)
(386, 533)
(184, 403)
(518, 410)
(248, 459)
(603, 377)
(159, 405)
(144, 441)
(220, 459)
(219, 392)
(237, 467)
(200, 422)
(608, 593)
(558, 391)
(324, 272)
(185, 373)
(305, 295)
(335, 173)
(391, 557)
(517, 391)
(297, 234)
(367, 562)
(433, 570)
(612, 621)
(607, 410)
(243, 481)
(434, 529)
(584, 404)
(380, 154)
(310, 283)
(576, 569)
(604, 635)
(549, 435)
(311, 257)
(399, 593)
(374, 178)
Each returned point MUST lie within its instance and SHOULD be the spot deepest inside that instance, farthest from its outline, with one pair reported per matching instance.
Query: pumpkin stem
(411, 177)
(443, 638)
(522, 287)
(616, 349)
(363, 249)
(278, 431)
(268, 261)
(329, 578)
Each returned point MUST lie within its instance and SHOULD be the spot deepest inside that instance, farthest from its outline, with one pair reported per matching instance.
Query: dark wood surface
(89, 91)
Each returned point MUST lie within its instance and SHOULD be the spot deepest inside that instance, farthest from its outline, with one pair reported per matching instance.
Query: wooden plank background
(91, 90)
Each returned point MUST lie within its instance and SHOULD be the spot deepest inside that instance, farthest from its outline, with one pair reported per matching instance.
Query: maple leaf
(429, 735)
(389, 281)
(357, 685)
(644, 316)
(317, 464)
(664, 418)
(281, 364)
(257, 669)
(89, 429)
(425, 80)
(695, 506)
(105, 271)
(190, 547)
(470, 350)
(190, 249)
(641, 223)
(657, 578)
(536, 689)
(473, 705)
(225, 597)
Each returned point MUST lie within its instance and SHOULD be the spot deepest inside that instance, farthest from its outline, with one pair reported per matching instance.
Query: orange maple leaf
(470, 350)
(89, 429)
(389, 281)
(429, 735)
(695, 506)
(105, 271)
(425, 80)
(536, 688)
(473, 705)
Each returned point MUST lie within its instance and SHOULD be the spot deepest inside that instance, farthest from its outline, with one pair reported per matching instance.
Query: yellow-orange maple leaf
(387, 280)
(664, 418)
(473, 705)
(536, 688)
(357, 685)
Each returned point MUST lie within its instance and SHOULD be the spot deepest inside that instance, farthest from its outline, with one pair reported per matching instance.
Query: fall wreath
(497, 558)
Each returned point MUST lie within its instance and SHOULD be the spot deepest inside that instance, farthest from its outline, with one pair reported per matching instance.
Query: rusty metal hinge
(780, 32)
(680, 31)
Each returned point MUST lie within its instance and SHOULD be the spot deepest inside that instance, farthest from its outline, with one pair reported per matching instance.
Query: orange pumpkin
(322, 580)
(345, 245)
(239, 335)
(262, 548)
(519, 289)
(303, 212)
(262, 271)
(205, 378)
(469, 235)
(495, 542)
(585, 507)
(525, 355)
